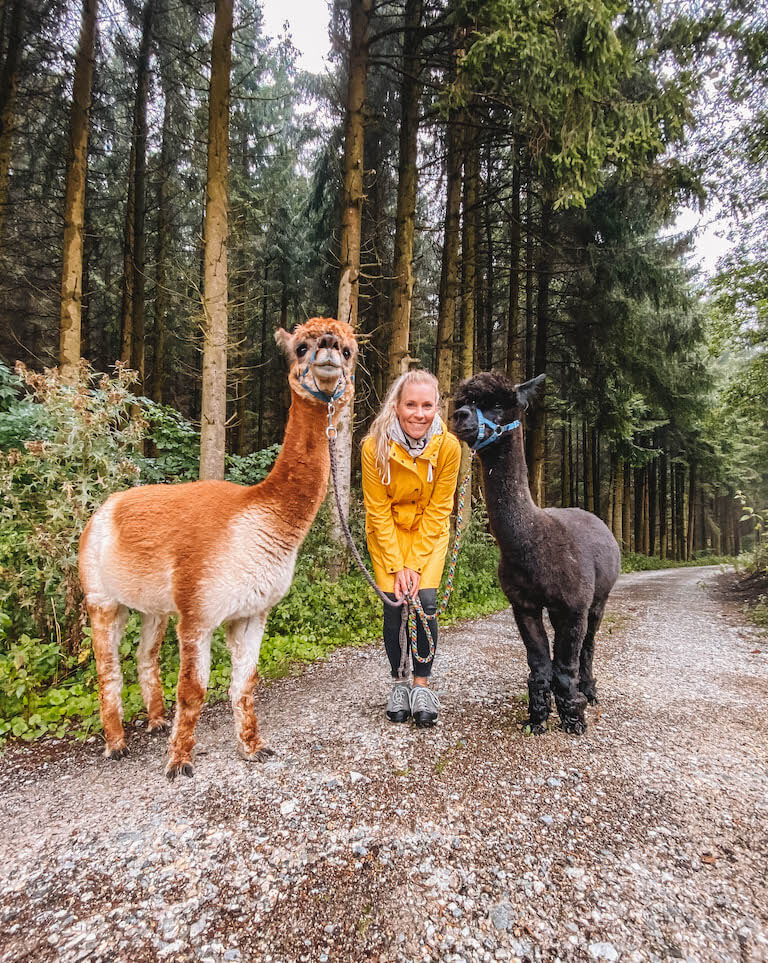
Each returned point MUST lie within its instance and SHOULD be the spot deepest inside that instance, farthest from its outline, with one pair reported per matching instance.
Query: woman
(410, 467)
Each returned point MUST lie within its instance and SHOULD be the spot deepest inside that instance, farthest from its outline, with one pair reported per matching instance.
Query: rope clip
(330, 431)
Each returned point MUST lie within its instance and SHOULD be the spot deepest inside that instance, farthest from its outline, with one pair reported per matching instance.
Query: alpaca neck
(296, 486)
(511, 510)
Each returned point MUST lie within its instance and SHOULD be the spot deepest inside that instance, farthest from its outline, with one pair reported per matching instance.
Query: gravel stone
(638, 841)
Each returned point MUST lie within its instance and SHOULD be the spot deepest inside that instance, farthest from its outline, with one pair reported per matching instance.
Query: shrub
(88, 433)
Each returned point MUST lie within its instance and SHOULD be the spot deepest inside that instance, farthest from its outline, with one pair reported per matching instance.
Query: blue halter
(493, 431)
(341, 384)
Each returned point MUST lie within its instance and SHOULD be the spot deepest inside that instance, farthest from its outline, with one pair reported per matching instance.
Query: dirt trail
(645, 839)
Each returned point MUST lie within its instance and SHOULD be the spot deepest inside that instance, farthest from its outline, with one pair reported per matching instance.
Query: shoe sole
(401, 716)
(424, 721)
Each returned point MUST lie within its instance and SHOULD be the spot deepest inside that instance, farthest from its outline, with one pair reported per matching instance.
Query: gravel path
(645, 839)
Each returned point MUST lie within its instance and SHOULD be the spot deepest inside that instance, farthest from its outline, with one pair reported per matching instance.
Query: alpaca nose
(461, 415)
(329, 341)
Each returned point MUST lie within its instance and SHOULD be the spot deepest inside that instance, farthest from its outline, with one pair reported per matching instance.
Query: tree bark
(589, 471)
(9, 84)
(653, 494)
(617, 525)
(515, 364)
(529, 280)
(351, 225)
(626, 507)
(139, 193)
(663, 508)
(692, 493)
(214, 400)
(469, 262)
(538, 418)
(74, 197)
(407, 189)
(449, 273)
(162, 301)
(126, 305)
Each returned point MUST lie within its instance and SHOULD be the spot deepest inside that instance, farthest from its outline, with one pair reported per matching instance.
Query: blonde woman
(410, 468)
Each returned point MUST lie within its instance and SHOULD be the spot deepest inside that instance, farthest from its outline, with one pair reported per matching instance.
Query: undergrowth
(635, 562)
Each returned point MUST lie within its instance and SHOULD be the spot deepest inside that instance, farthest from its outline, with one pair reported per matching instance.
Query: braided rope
(411, 607)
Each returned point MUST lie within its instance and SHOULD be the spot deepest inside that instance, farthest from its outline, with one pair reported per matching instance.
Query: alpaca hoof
(255, 755)
(535, 728)
(172, 770)
(590, 693)
(574, 725)
(119, 752)
(158, 725)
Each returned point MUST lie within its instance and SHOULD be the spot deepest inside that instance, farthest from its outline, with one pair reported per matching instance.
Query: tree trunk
(126, 305)
(565, 469)
(9, 83)
(692, 493)
(663, 507)
(263, 360)
(351, 225)
(74, 197)
(449, 274)
(538, 416)
(214, 401)
(530, 280)
(407, 188)
(653, 495)
(162, 301)
(589, 471)
(490, 276)
(626, 507)
(617, 525)
(637, 526)
(469, 262)
(139, 193)
(598, 508)
(515, 365)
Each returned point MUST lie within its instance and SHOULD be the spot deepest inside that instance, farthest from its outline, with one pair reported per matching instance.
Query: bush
(87, 434)
(637, 562)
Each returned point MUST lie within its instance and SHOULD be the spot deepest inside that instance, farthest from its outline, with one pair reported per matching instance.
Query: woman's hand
(406, 583)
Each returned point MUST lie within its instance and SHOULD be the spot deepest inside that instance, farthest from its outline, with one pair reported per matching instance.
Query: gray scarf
(415, 448)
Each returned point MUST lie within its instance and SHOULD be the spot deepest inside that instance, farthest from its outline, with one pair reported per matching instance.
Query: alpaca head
(321, 354)
(494, 396)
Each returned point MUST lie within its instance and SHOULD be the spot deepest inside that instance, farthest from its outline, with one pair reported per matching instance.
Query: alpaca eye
(301, 351)
(347, 353)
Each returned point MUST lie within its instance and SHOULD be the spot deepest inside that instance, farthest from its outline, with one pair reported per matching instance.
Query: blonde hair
(381, 424)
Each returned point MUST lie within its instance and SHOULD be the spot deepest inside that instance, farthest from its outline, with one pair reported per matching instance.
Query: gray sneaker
(399, 702)
(424, 705)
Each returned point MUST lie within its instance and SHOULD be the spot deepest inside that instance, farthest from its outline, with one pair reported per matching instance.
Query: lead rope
(406, 604)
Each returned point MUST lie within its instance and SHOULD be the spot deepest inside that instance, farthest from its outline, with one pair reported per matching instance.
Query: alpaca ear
(283, 340)
(527, 391)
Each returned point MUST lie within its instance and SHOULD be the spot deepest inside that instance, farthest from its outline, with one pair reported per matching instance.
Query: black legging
(392, 617)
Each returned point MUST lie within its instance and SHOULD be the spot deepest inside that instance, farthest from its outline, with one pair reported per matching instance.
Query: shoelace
(421, 694)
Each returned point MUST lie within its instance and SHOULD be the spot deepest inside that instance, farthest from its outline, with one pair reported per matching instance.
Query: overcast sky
(308, 27)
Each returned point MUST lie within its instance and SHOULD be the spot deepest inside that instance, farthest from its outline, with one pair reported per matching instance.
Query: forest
(473, 184)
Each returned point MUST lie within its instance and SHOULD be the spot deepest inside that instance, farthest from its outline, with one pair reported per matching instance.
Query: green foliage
(755, 561)
(637, 562)
(252, 468)
(52, 484)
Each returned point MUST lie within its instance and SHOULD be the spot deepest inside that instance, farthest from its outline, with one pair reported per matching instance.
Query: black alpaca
(562, 559)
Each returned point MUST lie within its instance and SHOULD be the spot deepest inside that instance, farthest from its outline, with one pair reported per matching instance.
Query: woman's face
(416, 409)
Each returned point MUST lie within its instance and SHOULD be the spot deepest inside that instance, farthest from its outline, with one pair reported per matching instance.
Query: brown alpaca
(212, 552)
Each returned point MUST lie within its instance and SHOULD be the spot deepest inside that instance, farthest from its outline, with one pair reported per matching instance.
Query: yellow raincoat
(407, 521)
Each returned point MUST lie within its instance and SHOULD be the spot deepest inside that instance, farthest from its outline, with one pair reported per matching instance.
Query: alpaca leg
(244, 640)
(148, 664)
(531, 627)
(194, 670)
(570, 628)
(107, 624)
(587, 684)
